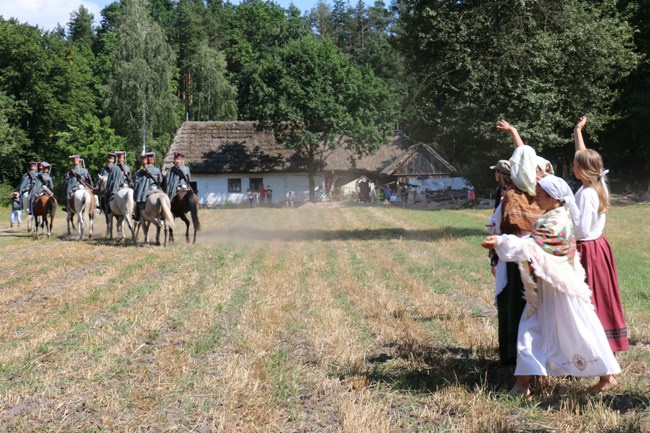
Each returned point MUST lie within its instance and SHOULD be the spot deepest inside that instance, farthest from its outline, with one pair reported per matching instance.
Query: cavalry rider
(76, 176)
(178, 176)
(42, 185)
(114, 181)
(147, 181)
(27, 181)
(122, 165)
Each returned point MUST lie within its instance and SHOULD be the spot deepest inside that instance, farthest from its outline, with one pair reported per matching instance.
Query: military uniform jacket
(72, 177)
(176, 176)
(126, 171)
(42, 180)
(27, 182)
(115, 179)
(144, 179)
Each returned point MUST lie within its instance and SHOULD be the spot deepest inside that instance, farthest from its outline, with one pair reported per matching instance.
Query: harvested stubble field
(349, 319)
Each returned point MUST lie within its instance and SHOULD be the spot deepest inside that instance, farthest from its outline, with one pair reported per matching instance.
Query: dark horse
(44, 206)
(183, 202)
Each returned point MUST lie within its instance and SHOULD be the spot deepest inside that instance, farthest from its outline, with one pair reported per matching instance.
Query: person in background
(261, 195)
(16, 210)
(589, 216)
(269, 195)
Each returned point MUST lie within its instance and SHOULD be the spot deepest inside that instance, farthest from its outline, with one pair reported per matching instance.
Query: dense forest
(442, 71)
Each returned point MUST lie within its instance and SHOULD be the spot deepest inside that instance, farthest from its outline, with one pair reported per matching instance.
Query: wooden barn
(227, 158)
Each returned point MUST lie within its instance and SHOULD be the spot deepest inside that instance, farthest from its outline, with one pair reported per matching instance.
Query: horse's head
(101, 183)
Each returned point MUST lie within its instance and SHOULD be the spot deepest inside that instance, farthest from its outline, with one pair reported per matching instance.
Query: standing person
(261, 194)
(27, 183)
(178, 176)
(559, 333)
(502, 176)
(16, 210)
(519, 211)
(290, 198)
(148, 180)
(77, 175)
(269, 195)
(589, 215)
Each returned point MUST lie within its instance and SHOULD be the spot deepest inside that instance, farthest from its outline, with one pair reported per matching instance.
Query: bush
(5, 194)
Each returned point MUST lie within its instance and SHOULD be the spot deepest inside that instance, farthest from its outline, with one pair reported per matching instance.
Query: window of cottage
(234, 185)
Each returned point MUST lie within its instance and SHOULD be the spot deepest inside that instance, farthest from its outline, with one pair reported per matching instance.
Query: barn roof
(238, 147)
(419, 160)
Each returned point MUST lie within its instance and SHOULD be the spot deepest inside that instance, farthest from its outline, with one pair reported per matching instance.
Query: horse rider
(122, 165)
(114, 181)
(178, 176)
(42, 185)
(148, 180)
(76, 176)
(27, 182)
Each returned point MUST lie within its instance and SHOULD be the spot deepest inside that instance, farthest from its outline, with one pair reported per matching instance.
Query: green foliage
(538, 64)
(311, 96)
(13, 140)
(141, 85)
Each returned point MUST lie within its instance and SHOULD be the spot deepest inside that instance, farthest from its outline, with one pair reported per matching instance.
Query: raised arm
(577, 134)
(504, 126)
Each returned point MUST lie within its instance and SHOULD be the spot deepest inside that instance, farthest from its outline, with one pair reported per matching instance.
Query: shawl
(552, 259)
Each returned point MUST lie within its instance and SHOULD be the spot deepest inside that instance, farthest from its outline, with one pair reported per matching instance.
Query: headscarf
(545, 165)
(557, 188)
(523, 169)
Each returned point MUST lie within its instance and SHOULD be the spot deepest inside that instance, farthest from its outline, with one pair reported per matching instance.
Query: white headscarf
(557, 188)
(523, 169)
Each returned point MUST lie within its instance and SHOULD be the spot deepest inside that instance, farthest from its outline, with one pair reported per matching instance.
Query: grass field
(349, 319)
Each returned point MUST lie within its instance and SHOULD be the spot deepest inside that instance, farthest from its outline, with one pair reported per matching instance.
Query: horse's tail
(192, 201)
(53, 203)
(165, 208)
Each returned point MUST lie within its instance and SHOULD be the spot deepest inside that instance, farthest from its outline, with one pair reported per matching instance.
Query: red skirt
(597, 259)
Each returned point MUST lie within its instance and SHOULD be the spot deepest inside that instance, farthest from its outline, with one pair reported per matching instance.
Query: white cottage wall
(213, 189)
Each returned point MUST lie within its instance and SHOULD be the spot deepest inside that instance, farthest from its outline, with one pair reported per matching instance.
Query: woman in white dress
(559, 332)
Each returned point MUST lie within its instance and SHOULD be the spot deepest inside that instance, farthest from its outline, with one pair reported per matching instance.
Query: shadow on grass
(252, 233)
(425, 369)
(433, 369)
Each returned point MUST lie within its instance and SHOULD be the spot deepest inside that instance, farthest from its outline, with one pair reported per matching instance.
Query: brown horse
(183, 202)
(44, 206)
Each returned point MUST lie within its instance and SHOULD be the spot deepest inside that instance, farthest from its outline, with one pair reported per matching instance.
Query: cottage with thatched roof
(227, 158)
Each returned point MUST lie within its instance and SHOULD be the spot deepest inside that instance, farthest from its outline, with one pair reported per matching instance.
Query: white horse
(121, 206)
(157, 210)
(81, 203)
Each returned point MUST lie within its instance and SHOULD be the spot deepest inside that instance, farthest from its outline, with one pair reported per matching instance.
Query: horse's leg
(120, 226)
(187, 227)
(129, 224)
(91, 223)
(68, 220)
(157, 223)
(80, 223)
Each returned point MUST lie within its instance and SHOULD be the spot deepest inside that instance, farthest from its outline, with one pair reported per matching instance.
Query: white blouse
(588, 224)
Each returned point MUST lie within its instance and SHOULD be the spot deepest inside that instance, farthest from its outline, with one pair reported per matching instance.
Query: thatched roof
(230, 147)
(238, 147)
(420, 160)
